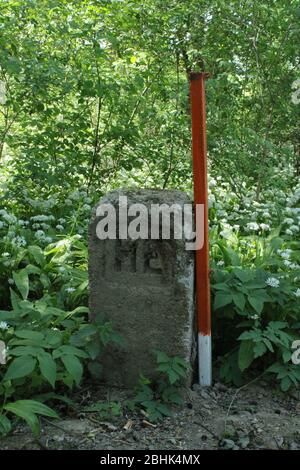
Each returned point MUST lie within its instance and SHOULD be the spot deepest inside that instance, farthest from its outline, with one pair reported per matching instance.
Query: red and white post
(197, 94)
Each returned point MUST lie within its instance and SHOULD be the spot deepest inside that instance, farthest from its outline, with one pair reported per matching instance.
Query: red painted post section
(197, 94)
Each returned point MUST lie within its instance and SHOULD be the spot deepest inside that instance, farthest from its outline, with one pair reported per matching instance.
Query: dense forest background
(94, 95)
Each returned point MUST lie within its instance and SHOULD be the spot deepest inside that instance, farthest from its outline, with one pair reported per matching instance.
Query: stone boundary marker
(146, 288)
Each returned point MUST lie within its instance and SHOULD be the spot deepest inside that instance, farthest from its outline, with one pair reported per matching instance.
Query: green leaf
(161, 356)
(37, 254)
(22, 282)
(221, 300)
(259, 349)
(239, 300)
(47, 367)
(172, 375)
(5, 425)
(30, 418)
(25, 350)
(257, 303)
(20, 367)
(28, 410)
(73, 366)
(285, 384)
(286, 355)
(243, 275)
(15, 300)
(66, 350)
(29, 334)
(246, 355)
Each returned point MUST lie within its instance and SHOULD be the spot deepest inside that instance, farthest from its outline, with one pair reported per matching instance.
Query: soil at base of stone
(256, 417)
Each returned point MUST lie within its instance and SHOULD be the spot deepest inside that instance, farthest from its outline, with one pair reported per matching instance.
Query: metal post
(197, 93)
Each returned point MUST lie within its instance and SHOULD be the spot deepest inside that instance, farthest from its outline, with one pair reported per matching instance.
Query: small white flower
(10, 219)
(273, 282)
(252, 226)
(6, 255)
(294, 266)
(286, 254)
(4, 325)
(297, 293)
(70, 289)
(39, 218)
(39, 234)
(10, 281)
(220, 263)
(19, 241)
(265, 227)
(288, 221)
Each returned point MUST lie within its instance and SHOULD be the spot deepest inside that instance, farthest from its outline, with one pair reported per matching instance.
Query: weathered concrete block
(146, 288)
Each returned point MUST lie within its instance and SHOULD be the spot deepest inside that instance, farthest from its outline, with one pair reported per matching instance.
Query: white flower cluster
(4, 325)
(273, 282)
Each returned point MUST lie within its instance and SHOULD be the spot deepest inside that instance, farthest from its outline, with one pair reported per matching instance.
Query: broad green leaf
(259, 349)
(29, 334)
(22, 282)
(25, 350)
(5, 425)
(30, 418)
(73, 366)
(256, 302)
(239, 300)
(221, 300)
(246, 355)
(20, 367)
(28, 410)
(47, 367)
(37, 254)
(66, 350)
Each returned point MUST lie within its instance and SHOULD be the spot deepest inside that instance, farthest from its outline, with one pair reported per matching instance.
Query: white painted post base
(204, 360)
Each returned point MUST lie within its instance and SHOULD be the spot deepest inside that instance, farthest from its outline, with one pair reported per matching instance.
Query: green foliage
(156, 398)
(93, 96)
(264, 304)
(105, 410)
(47, 345)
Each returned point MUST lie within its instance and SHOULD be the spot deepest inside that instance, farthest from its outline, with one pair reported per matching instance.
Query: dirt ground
(255, 417)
